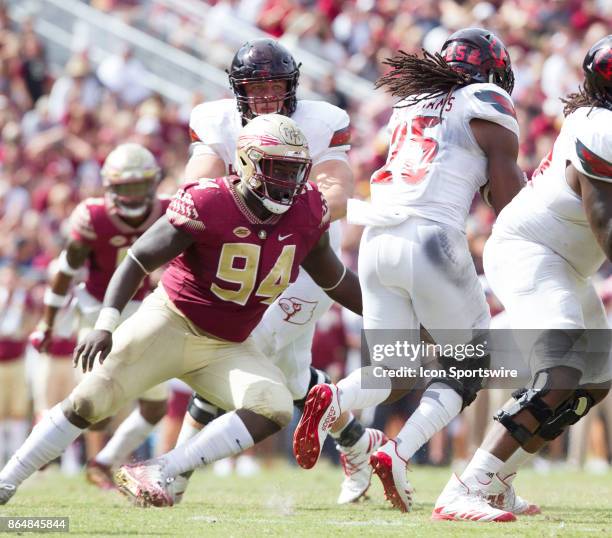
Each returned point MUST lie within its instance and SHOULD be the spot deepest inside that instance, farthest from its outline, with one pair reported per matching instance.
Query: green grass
(289, 502)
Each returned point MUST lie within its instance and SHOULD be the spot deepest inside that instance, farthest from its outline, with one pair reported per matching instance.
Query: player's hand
(96, 343)
(40, 338)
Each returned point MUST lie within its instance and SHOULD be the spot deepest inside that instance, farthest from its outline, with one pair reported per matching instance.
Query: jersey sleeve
(318, 208)
(491, 103)
(338, 133)
(591, 146)
(81, 224)
(205, 130)
(185, 210)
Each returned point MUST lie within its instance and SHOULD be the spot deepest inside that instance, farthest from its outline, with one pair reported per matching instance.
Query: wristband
(64, 266)
(53, 299)
(339, 280)
(108, 319)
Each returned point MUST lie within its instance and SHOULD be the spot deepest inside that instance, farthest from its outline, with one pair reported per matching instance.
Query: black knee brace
(316, 377)
(531, 400)
(568, 413)
(467, 387)
(202, 411)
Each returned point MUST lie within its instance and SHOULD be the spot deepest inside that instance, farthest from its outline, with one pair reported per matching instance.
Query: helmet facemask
(275, 181)
(131, 199)
(284, 103)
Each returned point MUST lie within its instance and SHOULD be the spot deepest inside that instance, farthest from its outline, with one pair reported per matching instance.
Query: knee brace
(529, 399)
(316, 377)
(202, 411)
(570, 412)
(467, 387)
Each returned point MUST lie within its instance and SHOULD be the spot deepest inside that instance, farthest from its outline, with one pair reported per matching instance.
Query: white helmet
(273, 160)
(130, 175)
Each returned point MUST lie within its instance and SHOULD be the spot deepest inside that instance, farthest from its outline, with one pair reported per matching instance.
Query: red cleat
(391, 469)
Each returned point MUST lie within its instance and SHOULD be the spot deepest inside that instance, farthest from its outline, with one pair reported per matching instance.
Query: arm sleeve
(591, 147)
(491, 103)
(81, 224)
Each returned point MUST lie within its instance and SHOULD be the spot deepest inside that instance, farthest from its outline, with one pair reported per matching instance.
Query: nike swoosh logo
(283, 237)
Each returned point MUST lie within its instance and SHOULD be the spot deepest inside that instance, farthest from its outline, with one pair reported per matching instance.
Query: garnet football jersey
(434, 165)
(109, 238)
(237, 265)
(547, 210)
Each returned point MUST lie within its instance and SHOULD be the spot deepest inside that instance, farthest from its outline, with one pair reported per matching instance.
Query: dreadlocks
(584, 97)
(418, 79)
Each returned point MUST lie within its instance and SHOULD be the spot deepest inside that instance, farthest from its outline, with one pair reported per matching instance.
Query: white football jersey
(435, 166)
(214, 128)
(547, 210)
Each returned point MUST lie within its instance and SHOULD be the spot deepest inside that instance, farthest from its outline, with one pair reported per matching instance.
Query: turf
(289, 502)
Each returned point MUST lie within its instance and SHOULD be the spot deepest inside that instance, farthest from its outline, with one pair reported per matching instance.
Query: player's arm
(335, 180)
(208, 165)
(597, 201)
(500, 145)
(157, 246)
(70, 260)
(326, 269)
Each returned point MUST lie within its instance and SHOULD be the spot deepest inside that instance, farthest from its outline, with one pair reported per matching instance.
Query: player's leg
(14, 404)
(556, 360)
(141, 358)
(237, 377)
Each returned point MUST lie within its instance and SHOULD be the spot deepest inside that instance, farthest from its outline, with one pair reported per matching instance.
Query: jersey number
(414, 170)
(239, 264)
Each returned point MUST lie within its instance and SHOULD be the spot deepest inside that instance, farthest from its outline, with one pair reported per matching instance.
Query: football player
(234, 244)
(545, 247)
(101, 231)
(453, 132)
(264, 78)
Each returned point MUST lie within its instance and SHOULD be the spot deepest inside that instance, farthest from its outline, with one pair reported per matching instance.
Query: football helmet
(130, 175)
(482, 55)
(597, 68)
(263, 60)
(273, 160)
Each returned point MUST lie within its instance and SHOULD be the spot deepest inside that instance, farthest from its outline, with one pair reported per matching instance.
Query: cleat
(356, 464)
(391, 469)
(321, 410)
(458, 503)
(99, 475)
(506, 498)
(176, 488)
(144, 484)
(6, 492)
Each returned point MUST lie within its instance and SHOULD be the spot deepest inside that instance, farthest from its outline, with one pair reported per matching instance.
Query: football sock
(130, 434)
(17, 432)
(225, 436)
(508, 472)
(353, 395)
(481, 470)
(438, 406)
(350, 434)
(48, 440)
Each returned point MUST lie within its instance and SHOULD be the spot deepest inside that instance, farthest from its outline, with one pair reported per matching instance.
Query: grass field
(288, 502)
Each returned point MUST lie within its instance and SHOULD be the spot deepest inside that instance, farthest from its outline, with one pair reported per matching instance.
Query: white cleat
(356, 464)
(506, 498)
(6, 492)
(176, 488)
(458, 503)
(320, 412)
(391, 469)
(145, 484)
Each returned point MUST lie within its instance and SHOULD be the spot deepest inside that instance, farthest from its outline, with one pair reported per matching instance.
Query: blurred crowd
(56, 131)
